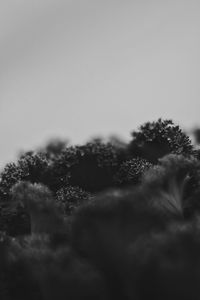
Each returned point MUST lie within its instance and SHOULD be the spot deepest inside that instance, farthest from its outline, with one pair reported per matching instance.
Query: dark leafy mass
(103, 220)
(156, 139)
(131, 171)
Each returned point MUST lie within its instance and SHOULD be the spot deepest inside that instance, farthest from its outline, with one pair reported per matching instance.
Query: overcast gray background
(81, 68)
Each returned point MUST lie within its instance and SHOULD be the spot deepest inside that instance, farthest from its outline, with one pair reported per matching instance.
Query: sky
(77, 69)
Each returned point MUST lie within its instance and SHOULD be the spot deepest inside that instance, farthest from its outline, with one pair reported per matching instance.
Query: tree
(157, 139)
(70, 198)
(30, 167)
(131, 171)
(91, 166)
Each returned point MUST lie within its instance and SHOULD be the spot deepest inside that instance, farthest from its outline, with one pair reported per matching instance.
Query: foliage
(179, 180)
(69, 198)
(40, 204)
(105, 221)
(131, 171)
(31, 167)
(91, 166)
(167, 181)
(14, 221)
(156, 139)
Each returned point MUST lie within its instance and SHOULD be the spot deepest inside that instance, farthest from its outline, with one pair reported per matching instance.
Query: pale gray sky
(79, 68)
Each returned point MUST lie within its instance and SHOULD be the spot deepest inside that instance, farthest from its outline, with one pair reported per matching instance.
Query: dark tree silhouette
(105, 221)
(156, 139)
(131, 171)
(91, 166)
(69, 198)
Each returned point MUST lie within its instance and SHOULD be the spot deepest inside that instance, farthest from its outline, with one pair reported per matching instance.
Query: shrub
(31, 167)
(91, 166)
(69, 198)
(156, 139)
(174, 182)
(130, 172)
(14, 221)
(38, 201)
(138, 239)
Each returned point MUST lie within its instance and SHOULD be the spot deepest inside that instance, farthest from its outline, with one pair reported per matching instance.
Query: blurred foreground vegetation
(104, 220)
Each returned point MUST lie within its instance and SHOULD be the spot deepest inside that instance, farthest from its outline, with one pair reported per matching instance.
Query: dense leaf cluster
(104, 220)
(31, 167)
(91, 166)
(69, 198)
(131, 171)
(156, 139)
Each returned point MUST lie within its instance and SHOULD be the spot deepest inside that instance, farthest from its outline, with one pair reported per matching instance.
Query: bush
(103, 221)
(131, 171)
(31, 167)
(91, 167)
(172, 182)
(69, 198)
(157, 139)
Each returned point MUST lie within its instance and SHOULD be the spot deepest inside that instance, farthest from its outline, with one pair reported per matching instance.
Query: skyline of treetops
(105, 220)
